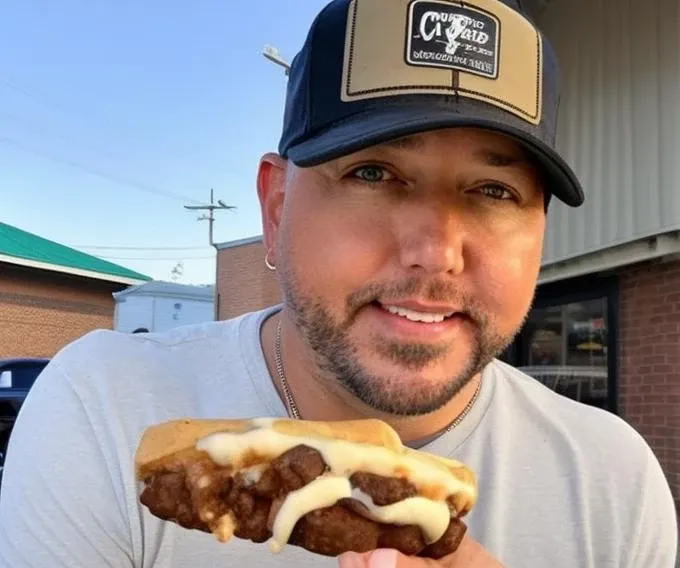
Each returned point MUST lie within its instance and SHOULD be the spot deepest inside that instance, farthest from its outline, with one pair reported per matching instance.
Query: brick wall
(650, 360)
(244, 283)
(41, 312)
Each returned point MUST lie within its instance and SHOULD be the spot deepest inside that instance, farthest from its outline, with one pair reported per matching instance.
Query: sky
(114, 114)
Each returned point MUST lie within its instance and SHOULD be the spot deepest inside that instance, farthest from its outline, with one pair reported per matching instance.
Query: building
(243, 281)
(50, 294)
(609, 301)
(159, 306)
(605, 328)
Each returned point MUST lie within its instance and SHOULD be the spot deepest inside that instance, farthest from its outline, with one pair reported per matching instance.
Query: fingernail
(351, 560)
(383, 559)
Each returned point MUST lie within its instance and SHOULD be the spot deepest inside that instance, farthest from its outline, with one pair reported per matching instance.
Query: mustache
(435, 291)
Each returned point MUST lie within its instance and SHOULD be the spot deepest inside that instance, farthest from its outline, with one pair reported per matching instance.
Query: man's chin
(419, 364)
(401, 391)
(404, 400)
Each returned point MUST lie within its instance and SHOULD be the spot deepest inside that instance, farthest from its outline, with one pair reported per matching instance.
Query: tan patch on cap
(480, 49)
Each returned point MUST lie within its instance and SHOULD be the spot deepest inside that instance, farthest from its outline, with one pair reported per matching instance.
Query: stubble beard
(338, 358)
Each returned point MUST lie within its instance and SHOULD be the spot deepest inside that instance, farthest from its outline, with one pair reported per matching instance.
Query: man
(404, 215)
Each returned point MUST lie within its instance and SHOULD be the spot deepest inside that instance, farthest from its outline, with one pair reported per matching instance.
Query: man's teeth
(418, 316)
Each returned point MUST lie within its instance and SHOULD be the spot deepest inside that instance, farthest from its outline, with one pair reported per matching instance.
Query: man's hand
(470, 554)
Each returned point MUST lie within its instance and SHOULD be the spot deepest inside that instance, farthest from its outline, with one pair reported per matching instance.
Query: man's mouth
(418, 316)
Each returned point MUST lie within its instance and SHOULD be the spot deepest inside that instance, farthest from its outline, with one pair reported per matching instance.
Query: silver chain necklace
(295, 411)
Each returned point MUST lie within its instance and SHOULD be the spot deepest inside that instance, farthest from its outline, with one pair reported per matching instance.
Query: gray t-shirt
(562, 485)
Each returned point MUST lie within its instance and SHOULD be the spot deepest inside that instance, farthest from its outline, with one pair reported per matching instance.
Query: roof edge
(239, 242)
(613, 258)
(180, 291)
(68, 270)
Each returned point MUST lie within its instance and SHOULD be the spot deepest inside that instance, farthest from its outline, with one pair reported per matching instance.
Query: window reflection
(566, 348)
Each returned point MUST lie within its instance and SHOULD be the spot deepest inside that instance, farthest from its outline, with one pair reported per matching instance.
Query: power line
(33, 94)
(59, 135)
(51, 102)
(79, 112)
(157, 259)
(105, 175)
(99, 247)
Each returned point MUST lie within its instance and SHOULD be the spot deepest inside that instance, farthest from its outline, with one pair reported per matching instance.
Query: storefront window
(568, 347)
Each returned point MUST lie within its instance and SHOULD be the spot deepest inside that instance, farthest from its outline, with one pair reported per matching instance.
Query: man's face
(409, 266)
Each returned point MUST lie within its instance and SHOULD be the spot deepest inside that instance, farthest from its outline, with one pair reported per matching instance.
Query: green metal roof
(32, 250)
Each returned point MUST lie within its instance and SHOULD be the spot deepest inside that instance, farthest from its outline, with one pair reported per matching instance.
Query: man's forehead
(491, 148)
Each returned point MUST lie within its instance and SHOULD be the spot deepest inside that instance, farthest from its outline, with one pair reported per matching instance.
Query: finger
(383, 558)
(470, 553)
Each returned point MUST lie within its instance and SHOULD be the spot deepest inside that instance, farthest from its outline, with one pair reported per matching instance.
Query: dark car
(17, 376)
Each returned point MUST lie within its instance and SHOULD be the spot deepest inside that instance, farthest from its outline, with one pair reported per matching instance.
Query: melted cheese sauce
(343, 458)
(320, 493)
(432, 517)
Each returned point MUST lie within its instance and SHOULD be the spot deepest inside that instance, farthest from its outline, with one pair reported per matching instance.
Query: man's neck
(317, 399)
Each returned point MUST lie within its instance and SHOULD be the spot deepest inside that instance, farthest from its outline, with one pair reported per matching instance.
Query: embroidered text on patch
(442, 34)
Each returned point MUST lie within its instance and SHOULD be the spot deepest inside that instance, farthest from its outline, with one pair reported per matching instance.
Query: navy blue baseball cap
(371, 71)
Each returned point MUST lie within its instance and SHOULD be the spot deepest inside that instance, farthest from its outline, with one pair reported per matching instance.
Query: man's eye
(497, 192)
(372, 174)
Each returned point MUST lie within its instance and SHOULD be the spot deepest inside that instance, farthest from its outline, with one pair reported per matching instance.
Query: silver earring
(268, 264)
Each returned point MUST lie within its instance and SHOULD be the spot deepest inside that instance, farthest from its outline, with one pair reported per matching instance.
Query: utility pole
(210, 216)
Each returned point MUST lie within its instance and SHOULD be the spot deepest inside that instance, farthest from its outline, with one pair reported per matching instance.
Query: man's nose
(432, 240)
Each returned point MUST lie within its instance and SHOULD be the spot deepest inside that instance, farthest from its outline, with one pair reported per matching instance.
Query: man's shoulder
(158, 360)
(513, 380)
(596, 449)
(107, 342)
(193, 369)
(569, 465)
(583, 427)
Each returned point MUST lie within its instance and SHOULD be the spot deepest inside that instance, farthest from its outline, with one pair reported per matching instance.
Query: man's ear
(271, 186)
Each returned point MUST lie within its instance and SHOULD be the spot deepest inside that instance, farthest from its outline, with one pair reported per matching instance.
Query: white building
(159, 306)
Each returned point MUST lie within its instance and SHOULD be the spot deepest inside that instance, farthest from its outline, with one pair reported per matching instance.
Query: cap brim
(390, 121)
